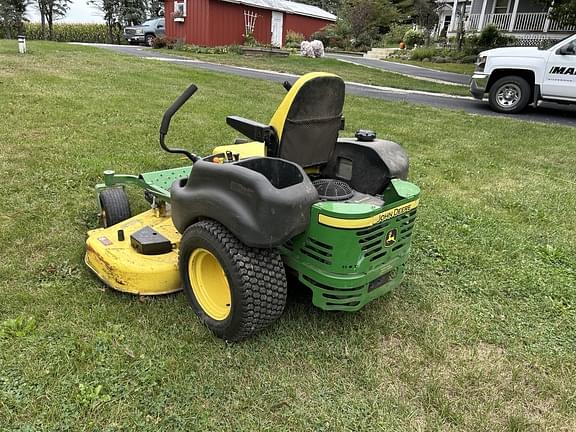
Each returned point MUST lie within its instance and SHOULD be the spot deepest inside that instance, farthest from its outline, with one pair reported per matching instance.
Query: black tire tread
(116, 206)
(262, 277)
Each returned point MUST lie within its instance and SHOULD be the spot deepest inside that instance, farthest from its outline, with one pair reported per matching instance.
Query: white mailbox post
(22, 44)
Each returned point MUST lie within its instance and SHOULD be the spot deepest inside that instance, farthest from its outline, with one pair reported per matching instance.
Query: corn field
(96, 33)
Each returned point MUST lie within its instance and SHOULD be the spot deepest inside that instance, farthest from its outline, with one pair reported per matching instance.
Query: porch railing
(530, 22)
(501, 21)
(555, 26)
(525, 22)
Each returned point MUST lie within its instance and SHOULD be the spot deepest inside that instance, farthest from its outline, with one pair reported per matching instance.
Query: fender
(263, 201)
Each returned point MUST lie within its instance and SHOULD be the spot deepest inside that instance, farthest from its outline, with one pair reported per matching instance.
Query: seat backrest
(309, 118)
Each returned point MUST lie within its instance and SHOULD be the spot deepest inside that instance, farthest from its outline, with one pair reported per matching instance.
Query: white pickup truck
(516, 77)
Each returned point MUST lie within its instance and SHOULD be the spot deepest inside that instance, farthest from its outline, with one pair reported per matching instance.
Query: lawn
(350, 72)
(461, 68)
(480, 337)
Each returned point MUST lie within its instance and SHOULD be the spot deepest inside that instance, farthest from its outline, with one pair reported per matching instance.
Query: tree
(563, 11)
(460, 31)
(51, 10)
(119, 13)
(369, 17)
(12, 16)
(112, 13)
(132, 11)
(424, 14)
(156, 8)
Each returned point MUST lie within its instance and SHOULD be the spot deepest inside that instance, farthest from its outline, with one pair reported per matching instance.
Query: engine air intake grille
(333, 190)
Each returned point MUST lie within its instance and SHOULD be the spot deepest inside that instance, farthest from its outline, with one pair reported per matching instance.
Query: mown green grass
(461, 68)
(480, 337)
(350, 72)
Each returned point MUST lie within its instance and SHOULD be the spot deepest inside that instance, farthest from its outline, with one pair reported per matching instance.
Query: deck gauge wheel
(114, 205)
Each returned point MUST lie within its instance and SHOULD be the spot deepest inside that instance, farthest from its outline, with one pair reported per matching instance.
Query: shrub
(195, 49)
(179, 44)
(396, 34)
(293, 39)
(163, 42)
(440, 55)
(490, 37)
(424, 53)
(249, 40)
(414, 37)
(469, 59)
(363, 42)
(334, 36)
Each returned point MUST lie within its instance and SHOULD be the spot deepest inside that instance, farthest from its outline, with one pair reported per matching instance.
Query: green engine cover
(353, 253)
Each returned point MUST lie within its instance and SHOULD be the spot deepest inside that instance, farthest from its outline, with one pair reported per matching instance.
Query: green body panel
(156, 182)
(347, 267)
(164, 179)
(344, 267)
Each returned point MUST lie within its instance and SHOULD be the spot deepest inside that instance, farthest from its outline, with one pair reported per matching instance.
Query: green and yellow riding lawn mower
(336, 213)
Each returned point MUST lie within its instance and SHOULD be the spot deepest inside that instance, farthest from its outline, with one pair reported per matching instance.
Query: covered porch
(511, 16)
(521, 22)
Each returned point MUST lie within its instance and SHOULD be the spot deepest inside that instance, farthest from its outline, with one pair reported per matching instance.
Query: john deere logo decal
(390, 238)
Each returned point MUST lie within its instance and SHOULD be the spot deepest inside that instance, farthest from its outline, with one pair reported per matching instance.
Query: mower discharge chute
(337, 213)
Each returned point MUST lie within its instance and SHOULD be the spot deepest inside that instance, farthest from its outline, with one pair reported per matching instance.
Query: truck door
(160, 28)
(560, 74)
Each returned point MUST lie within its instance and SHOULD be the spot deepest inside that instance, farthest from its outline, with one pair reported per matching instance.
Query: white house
(525, 19)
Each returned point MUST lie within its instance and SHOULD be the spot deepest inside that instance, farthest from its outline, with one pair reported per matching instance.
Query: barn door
(277, 24)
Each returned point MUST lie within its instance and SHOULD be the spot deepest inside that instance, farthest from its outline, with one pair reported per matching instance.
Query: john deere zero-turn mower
(337, 213)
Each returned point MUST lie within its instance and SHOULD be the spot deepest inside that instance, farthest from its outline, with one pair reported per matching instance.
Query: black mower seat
(304, 128)
(309, 118)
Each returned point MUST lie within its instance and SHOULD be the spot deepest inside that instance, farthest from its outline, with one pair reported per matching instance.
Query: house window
(501, 6)
(180, 8)
(446, 25)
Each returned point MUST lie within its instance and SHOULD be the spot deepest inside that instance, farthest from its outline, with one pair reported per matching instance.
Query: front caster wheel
(114, 205)
(235, 290)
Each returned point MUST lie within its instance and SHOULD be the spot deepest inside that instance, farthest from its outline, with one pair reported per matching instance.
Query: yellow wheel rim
(209, 284)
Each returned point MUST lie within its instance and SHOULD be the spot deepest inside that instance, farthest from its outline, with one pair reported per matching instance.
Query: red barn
(225, 22)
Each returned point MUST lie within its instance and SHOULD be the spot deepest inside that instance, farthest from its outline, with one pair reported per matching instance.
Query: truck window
(570, 48)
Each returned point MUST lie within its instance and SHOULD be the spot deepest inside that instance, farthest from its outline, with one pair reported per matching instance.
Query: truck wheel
(149, 39)
(510, 94)
(235, 290)
(114, 205)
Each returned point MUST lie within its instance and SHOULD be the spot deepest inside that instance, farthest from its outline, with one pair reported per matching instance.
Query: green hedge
(96, 33)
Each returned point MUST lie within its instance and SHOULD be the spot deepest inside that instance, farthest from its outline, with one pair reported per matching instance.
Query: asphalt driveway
(546, 113)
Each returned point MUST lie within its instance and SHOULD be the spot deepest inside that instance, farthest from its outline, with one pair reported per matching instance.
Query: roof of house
(288, 7)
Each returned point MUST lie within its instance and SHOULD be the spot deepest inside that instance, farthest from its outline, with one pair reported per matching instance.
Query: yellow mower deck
(121, 267)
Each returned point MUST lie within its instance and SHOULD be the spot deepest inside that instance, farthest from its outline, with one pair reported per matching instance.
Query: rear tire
(115, 206)
(510, 94)
(235, 290)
